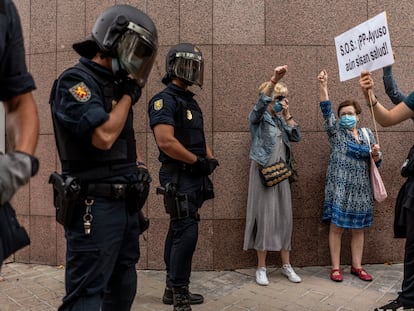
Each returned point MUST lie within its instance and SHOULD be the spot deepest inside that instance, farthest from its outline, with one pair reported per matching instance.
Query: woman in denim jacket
(269, 209)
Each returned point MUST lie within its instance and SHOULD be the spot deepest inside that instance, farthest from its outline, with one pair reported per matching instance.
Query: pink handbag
(378, 188)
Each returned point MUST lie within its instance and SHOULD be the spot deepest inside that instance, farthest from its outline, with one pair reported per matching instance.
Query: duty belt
(193, 215)
(116, 191)
(180, 166)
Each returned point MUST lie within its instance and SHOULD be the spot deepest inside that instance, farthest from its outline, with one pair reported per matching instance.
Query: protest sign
(364, 47)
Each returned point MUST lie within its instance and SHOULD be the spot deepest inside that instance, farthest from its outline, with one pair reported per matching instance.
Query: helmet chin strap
(180, 82)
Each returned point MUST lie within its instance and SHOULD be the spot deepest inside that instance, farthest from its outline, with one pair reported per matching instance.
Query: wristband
(138, 163)
(273, 81)
(290, 118)
(369, 104)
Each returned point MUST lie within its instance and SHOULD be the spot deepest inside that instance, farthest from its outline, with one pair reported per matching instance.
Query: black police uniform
(404, 228)
(99, 265)
(176, 107)
(14, 77)
(406, 296)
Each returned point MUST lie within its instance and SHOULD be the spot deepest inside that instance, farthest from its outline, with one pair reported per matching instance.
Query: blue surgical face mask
(347, 122)
(277, 107)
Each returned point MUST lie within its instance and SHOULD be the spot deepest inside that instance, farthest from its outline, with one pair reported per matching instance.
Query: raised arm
(385, 117)
(262, 103)
(323, 85)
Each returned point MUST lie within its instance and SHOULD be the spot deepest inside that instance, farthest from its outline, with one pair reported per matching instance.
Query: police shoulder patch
(158, 104)
(81, 92)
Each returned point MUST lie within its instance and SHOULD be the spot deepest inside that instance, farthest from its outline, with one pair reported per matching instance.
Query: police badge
(189, 115)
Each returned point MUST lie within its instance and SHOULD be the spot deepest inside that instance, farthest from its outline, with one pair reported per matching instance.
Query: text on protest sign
(364, 47)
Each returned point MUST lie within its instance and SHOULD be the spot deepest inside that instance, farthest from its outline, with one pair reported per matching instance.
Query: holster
(66, 191)
(175, 203)
(208, 189)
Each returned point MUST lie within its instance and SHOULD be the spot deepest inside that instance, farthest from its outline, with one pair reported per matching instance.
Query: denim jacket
(263, 131)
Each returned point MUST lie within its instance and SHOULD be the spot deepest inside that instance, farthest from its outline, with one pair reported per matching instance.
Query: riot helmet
(184, 61)
(127, 34)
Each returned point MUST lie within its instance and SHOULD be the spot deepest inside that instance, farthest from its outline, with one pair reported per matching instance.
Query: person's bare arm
(166, 141)
(139, 159)
(106, 134)
(22, 127)
(209, 153)
(384, 117)
(22, 123)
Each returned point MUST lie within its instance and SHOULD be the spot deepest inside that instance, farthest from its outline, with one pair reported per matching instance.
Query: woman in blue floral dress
(348, 194)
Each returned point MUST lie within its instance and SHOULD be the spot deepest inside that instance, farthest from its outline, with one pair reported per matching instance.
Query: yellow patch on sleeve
(158, 104)
(81, 92)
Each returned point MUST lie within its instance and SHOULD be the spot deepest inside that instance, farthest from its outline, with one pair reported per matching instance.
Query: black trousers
(407, 292)
(179, 248)
(182, 235)
(100, 267)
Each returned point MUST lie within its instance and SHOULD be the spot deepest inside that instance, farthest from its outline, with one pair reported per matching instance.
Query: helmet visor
(189, 67)
(136, 53)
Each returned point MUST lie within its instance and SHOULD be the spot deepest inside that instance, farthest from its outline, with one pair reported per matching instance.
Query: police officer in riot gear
(177, 123)
(92, 114)
(18, 164)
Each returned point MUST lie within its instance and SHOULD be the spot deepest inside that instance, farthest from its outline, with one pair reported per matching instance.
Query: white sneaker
(288, 271)
(261, 277)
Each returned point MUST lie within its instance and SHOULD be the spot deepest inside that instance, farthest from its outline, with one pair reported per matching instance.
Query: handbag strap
(371, 101)
(365, 132)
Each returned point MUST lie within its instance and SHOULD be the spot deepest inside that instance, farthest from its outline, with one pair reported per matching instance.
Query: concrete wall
(242, 40)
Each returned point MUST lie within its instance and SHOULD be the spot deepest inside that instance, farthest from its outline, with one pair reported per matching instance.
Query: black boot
(181, 299)
(167, 298)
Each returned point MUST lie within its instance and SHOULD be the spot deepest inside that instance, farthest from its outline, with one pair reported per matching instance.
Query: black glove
(144, 222)
(16, 168)
(203, 167)
(131, 88)
(213, 164)
(142, 186)
(143, 175)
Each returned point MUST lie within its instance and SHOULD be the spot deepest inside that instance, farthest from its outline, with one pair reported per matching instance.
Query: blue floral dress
(348, 193)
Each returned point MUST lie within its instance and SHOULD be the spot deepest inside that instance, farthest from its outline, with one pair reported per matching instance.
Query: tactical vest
(189, 126)
(77, 155)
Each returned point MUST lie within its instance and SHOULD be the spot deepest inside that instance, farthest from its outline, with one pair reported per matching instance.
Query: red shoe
(362, 274)
(336, 275)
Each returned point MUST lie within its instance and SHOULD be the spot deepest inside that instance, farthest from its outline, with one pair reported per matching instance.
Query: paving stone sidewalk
(29, 287)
